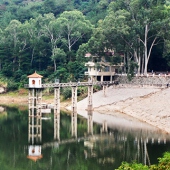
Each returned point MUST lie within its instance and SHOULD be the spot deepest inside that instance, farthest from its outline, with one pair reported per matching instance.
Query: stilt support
(35, 122)
(104, 89)
(90, 98)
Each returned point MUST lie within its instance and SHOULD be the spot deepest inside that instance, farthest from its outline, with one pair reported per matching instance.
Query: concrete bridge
(35, 101)
(35, 109)
(36, 87)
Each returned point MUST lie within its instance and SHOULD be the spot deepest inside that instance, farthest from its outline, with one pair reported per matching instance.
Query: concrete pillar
(57, 113)
(104, 89)
(35, 122)
(74, 112)
(102, 78)
(38, 102)
(34, 101)
(90, 98)
(111, 78)
(31, 102)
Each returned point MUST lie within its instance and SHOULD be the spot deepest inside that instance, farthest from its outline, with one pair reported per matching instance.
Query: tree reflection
(23, 136)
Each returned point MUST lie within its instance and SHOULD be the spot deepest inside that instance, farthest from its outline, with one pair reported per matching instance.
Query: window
(107, 69)
(33, 82)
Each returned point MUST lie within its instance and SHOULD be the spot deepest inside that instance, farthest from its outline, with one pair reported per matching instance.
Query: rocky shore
(152, 108)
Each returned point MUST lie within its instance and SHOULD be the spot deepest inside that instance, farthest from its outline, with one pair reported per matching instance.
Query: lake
(42, 143)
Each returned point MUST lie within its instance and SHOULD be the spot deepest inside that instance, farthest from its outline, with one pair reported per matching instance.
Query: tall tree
(52, 31)
(140, 24)
(131, 28)
(12, 37)
(74, 26)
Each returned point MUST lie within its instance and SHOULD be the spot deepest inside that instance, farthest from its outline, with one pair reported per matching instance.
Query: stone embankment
(146, 103)
(149, 79)
(151, 107)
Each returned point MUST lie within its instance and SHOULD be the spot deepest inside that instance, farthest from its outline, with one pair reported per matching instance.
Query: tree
(51, 30)
(35, 34)
(74, 26)
(140, 24)
(58, 57)
(12, 36)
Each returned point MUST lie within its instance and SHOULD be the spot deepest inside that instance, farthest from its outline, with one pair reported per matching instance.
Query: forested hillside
(52, 36)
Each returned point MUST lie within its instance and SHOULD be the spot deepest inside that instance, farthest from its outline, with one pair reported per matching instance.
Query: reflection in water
(105, 145)
(94, 150)
(57, 114)
(57, 127)
(3, 112)
(104, 127)
(34, 137)
(74, 124)
(90, 122)
(74, 112)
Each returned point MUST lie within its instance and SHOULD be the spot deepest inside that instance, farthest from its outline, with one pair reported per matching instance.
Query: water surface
(59, 145)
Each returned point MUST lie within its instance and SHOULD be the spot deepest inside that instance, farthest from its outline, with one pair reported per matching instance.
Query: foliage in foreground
(163, 164)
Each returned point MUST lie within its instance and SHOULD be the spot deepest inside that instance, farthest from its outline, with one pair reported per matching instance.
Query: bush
(11, 86)
(96, 88)
(82, 90)
(66, 92)
(163, 164)
(132, 166)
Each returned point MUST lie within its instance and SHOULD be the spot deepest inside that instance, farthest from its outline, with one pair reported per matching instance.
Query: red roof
(35, 158)
(35, 75)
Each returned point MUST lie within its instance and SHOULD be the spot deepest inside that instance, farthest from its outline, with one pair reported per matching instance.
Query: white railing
(72, 84)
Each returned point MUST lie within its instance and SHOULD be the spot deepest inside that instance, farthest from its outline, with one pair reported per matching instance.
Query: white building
(99, 69)
(35, 80)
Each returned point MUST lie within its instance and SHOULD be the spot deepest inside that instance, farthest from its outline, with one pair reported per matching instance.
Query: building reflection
(34, 137)
(113, 140)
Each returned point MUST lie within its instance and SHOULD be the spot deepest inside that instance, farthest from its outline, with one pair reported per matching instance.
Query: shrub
(11, 86)
(132, 166)
(67, 93)
(163, 164)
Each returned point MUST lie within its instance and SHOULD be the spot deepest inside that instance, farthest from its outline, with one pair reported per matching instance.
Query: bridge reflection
(34, 137)
(107, 138)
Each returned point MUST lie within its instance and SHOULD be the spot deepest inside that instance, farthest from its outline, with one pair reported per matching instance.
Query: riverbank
(147, 104)
(17, 99)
